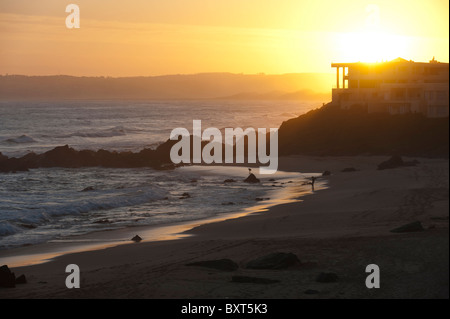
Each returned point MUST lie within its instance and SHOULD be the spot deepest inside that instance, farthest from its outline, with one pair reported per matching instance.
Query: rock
(394, 162)
(411, 227)
(185, 195)
(136, 239)
(272, 180)
(21, 280)
(259, 199)
(88, 189)
(7, 278)
(327, 277)
(253, 280)
(230, 180)
(274, 261)
(251, 179)
(220, 264)
(326, 173)
(349, 169)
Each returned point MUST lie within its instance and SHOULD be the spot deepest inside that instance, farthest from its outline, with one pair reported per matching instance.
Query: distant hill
(194, 86)
(332, 131)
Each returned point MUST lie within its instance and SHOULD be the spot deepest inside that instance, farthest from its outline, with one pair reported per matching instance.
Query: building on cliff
(397, 87)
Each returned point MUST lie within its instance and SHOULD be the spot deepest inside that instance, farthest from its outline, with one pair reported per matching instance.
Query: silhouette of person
(313, 180)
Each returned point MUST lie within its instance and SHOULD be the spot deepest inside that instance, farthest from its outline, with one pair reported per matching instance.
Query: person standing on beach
(313, 180)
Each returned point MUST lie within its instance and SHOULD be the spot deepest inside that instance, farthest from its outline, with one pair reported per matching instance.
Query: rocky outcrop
(333, 131)
(394, 162)
(65, 156)
(8, 279)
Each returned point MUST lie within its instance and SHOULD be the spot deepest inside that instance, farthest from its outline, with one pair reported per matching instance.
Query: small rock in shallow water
(251, 179)
(136, 239)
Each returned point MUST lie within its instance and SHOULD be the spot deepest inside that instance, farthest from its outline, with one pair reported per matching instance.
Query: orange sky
(149, 37)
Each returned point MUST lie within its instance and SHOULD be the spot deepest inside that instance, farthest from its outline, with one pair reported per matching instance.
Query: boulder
(136, 239)
(408, 228)
(274, 261)
(394, 162)
(251, 179)
(220, 264)
(21, 280)
(326, 173)
(7, 278)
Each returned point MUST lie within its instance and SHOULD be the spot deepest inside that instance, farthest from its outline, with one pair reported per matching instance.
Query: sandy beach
(341, 229)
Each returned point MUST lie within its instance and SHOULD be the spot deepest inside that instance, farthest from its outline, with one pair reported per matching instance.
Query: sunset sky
(149, 37)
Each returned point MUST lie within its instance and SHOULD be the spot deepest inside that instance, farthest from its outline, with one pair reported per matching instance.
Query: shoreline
(34, 254)
(341, 230)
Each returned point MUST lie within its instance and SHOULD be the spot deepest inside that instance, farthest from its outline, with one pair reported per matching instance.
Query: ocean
(50, 204)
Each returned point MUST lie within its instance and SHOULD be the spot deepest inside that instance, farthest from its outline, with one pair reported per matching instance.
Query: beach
(340, 229)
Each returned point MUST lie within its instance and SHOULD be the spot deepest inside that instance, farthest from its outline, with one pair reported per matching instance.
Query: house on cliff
(396, 87)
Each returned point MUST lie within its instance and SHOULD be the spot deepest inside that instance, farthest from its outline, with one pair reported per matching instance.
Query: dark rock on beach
(253, 280)
(21, 280)
(326, 173)
(220, 264)
(136, 239)
(395, 162)
(230, 180)
(7, 278)
(274, 261)
(88, 189)
(408, 228)
(251, 179)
